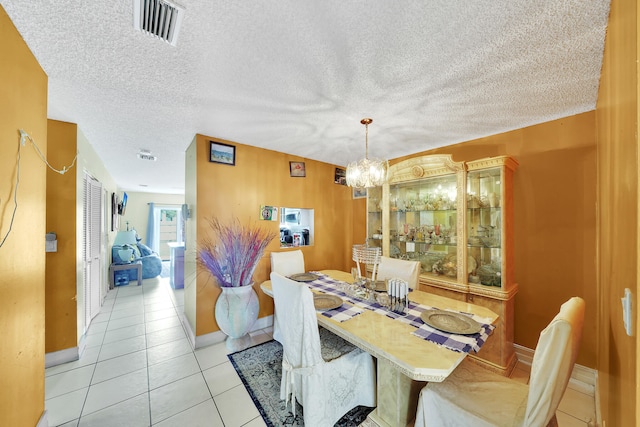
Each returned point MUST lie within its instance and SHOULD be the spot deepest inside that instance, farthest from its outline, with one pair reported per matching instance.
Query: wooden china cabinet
(456, 218)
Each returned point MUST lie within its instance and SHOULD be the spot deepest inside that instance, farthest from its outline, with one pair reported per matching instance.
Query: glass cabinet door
(374, 217)
(423, 220)
(484, 226)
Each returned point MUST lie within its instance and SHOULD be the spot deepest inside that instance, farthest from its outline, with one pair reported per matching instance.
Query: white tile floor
(576, 409)
(139, 370)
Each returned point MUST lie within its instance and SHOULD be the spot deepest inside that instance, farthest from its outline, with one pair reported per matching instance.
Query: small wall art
(268, 213)
(297, 169)
(340, 176)
(222, 153)
(359, 193)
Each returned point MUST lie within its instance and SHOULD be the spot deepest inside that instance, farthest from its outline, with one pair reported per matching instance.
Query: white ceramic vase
(236, 311)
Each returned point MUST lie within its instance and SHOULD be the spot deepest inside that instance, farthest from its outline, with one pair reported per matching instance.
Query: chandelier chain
(366, 140)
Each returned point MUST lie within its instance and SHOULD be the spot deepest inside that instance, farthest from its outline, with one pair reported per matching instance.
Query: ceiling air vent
(160, 18)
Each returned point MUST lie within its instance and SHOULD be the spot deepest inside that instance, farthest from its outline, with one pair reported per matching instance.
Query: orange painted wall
(60, 290)
(261, 177)
(617, 128)
(555, 208)
(23, 91)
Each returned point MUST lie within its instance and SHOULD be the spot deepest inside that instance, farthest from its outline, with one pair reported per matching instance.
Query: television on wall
(123, 204)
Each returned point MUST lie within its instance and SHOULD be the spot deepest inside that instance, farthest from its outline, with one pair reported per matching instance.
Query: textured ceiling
(297, 77)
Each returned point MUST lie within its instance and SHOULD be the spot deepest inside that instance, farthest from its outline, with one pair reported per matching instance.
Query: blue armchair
(151, 261)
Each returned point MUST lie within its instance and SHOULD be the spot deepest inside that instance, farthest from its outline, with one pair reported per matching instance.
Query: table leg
(397, 398)
(119, 267)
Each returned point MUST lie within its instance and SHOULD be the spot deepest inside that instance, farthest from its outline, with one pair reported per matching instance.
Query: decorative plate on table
(447, 321)
(304, 277)
(326, 302)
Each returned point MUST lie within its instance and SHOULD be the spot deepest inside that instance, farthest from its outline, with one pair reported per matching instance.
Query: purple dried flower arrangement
(233, 254)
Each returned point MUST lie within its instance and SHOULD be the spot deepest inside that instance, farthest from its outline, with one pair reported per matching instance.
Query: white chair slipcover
(288, 263)
(391, 268)
(327, 389)
(285, 263)
(474, 396)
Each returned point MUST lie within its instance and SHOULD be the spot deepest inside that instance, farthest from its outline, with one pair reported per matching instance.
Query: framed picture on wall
(222, 153)
(297, 169)
(340, 176)
(268, 213)
(359, 193)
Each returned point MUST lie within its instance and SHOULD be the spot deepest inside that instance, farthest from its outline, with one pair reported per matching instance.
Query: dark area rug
(260, 369)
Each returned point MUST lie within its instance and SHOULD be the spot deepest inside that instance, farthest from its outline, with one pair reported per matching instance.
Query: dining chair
(327, 375)
(288, 263)
(474, 396)
(391, 268)
(285, 263)
(367, 256)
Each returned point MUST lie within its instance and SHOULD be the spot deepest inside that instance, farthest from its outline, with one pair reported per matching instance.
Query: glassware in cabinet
(422, 221)
(489, 221)
(484, 229)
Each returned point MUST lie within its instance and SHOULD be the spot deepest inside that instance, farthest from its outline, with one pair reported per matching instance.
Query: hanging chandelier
(367, 173)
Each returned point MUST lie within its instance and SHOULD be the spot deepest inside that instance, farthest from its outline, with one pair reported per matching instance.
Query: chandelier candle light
(367, 173)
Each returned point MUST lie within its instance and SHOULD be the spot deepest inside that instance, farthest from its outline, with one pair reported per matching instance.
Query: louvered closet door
(91, 247)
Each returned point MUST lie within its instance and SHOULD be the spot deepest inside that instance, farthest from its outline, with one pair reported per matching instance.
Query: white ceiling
(297, 76)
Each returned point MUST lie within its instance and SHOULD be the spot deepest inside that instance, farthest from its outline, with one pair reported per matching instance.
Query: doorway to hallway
(168, 231)
(167, 227)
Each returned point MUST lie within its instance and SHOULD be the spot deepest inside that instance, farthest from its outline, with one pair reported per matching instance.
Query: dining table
(408, 351)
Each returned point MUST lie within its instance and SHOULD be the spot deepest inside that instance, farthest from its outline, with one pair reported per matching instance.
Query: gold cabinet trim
(494, 292)
(493, 162)
(423, 167)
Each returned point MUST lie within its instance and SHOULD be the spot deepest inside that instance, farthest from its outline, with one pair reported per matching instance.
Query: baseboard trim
(524, 354)
(43, 422)
(199, 341)
(82, 344)
(597, 399)
(62, 356)
(262, 323)
(212, 338)
(583, 379)
(209, 339)
(187, 328)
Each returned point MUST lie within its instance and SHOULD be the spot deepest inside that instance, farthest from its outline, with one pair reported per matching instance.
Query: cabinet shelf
(483, 246)
(485, 208)
(421, 242)
(422, 210)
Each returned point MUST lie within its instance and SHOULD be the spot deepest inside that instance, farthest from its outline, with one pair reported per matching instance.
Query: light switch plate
(51, 246)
